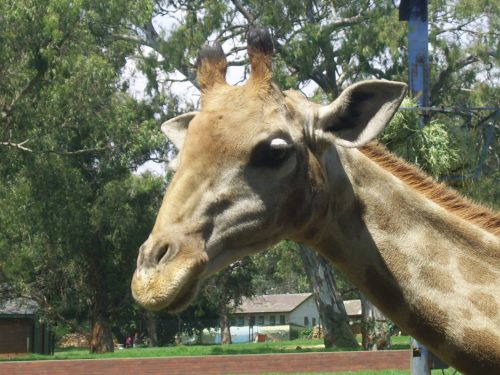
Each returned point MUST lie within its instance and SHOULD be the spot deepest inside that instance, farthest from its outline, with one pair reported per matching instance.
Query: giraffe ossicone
(257, 165)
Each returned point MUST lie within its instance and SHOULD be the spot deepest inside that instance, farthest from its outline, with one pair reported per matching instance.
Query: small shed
(21, 330)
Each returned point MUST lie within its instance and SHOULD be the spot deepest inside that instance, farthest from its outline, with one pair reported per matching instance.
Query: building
(278, 309)
(20, 329)
(280, 316)
(276, 317)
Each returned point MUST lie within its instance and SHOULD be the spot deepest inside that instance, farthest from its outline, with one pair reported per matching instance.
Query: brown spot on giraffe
(437, 255)
(477, 356)
(466, 314)
(429, 321)
(475, 272)
(433, 278)
(485, 303)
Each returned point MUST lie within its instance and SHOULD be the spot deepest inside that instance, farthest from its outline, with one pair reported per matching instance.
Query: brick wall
(218, 365)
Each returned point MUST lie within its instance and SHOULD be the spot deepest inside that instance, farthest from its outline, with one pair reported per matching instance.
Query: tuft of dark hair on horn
(212, 51)
(259, 38)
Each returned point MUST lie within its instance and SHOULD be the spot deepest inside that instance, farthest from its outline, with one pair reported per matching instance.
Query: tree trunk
(101, 336)
(225, 324)
(199, 336)
(331, 308)
(375, 332)
(151, 325)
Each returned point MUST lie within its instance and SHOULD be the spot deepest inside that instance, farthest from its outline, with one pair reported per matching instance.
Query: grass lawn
(293, 346)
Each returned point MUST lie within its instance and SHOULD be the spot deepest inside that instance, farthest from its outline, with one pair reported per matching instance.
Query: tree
(464, 39)
(334, 319)
(334, 44)
(280, 270)
(226, 289)
(72, 214)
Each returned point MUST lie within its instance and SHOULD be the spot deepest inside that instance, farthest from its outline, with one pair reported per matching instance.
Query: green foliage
(72, 213)
(436, 147)
(330, 44)
(305, 333)
(449, 147)
(280, 270)
(464, 38)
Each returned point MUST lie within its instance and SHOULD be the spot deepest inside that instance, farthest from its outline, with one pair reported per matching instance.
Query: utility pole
(416, 13)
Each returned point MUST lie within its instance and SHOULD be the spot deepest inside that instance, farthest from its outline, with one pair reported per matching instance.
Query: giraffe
(257, 165)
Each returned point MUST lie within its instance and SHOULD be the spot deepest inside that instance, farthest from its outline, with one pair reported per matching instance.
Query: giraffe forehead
(231, 131)
(223, 130)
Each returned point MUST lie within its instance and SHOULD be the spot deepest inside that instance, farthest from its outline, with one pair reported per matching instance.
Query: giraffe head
(250, 171)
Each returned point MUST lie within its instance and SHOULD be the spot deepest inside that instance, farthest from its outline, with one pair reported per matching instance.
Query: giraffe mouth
(184, 297)
(167, 286)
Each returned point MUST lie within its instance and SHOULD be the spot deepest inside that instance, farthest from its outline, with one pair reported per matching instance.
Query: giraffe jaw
(174, 284)
(167, 287)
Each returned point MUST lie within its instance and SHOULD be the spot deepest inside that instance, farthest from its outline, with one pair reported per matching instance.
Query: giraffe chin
(184, 298)
(170, 302)
(158, 289)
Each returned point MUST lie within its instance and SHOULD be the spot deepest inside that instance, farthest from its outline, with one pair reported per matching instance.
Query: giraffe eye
(278, 149)
(271, 154)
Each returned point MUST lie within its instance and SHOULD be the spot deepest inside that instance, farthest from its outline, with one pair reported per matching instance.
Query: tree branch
(331, 27)
(221, 39)
(134, 39)
(27, 88)
(249, 17)
(238, 63)
(452, 68)
(54, 315)
(17, 145)
(21, 146)
(77, 152)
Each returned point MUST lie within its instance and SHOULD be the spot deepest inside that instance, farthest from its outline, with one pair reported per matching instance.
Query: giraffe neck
(433, 273)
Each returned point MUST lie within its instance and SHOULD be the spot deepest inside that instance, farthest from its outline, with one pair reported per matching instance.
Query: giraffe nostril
(140, 257)
(162, 254)
(151, 256)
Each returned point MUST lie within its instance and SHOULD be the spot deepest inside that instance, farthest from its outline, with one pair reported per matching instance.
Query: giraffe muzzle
(167, 274)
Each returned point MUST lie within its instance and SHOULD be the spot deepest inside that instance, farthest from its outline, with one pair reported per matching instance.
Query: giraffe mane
(439, 193)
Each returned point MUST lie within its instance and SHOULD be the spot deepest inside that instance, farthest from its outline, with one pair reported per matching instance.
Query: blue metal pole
(420, 359)
(415, 12)
(418, 51)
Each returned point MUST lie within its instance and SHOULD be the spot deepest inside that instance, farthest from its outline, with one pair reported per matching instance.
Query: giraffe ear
(175, 129)
(361, 112)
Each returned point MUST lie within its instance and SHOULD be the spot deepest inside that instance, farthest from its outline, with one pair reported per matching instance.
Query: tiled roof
(18, 306)
(275, 303)
(272, 303)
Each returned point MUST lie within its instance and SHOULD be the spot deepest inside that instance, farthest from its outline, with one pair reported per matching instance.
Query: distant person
(136, 339)
(128, 342)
